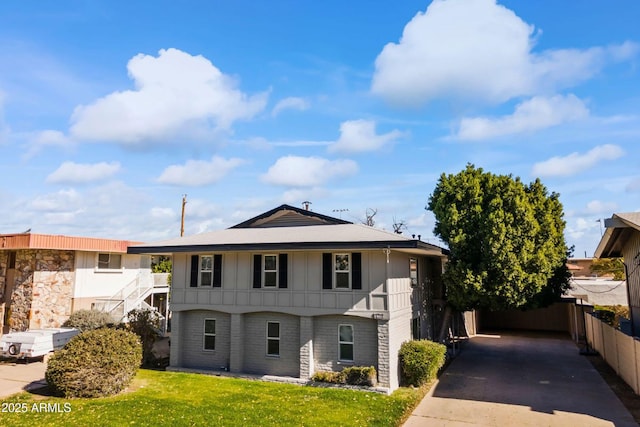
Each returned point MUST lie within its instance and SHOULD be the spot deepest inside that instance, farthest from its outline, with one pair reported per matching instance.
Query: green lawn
(172, 398)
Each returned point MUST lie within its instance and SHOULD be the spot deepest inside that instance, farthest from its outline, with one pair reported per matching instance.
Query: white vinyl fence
(620, 351)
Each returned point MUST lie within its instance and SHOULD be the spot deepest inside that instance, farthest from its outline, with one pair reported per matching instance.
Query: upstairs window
(109, 261)
(206, 271)
(413, 271)
(342, 270)
(270, 271)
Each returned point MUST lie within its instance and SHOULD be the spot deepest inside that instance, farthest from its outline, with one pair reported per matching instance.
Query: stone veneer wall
(3, 272)
(52, 288)
(43, 289)
(22, 294)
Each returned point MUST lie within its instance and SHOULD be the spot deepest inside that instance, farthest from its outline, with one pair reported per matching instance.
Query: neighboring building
(622, 239)
(598, 291)
(44, 278)
(291, 292)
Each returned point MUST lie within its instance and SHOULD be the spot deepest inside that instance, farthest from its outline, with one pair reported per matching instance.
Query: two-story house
(291, 292)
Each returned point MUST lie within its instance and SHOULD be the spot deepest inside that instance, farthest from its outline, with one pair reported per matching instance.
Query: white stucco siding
(256, 360)
(191, 330)
(325, 342)
(91, 282)
(399, 332)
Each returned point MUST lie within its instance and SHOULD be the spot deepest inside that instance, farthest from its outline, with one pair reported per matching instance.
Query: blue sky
(110, 111)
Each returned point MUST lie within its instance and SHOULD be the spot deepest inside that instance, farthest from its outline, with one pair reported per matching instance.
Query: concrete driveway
(20, 376)
(510, 380)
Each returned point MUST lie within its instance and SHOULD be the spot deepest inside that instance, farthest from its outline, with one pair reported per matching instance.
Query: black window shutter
(282, 270)
(257, 271)
(217, 271)
(356, 270)
(327, 276)
(194, 271)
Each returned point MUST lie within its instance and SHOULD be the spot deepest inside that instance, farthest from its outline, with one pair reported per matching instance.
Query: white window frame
(265, 271)
(342, 272)
(201, 270)
(341, 343)
(108, 268)
(206, 334)
(269, 338)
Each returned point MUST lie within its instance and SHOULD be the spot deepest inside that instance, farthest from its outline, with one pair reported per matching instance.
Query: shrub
(96, 363)
(420, 361)
(145, 324)
(354, 375)
(88, 320)
(605, 314)
(360, 375)
(328, 377)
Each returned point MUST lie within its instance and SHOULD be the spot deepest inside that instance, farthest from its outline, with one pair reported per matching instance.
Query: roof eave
(222, 247)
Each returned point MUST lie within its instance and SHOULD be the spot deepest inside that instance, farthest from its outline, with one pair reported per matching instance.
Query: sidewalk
(20, 376)
(510, 380)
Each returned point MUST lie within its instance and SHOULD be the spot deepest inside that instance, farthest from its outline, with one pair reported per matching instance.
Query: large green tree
(506, 240)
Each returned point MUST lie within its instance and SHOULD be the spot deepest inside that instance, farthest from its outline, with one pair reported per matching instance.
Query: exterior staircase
(131, 297)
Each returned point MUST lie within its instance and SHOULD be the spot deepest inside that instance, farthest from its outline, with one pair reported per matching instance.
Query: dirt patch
(627, 396)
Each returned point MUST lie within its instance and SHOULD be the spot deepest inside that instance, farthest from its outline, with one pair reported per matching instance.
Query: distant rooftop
(59, 242)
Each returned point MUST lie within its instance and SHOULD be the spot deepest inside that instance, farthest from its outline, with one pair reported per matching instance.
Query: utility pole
(184, 202)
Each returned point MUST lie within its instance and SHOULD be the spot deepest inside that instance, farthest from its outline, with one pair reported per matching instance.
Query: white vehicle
(35, 342)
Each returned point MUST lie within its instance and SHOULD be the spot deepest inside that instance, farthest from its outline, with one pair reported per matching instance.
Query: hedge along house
(44, 278)
(291, 292)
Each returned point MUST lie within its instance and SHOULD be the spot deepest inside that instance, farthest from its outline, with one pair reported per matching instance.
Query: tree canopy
(609, 267)
(506, 240)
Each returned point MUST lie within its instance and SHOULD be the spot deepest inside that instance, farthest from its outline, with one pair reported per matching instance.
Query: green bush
(360, 375)
(328, 377)
(354, 375)
(145, 324)
(96, 363)
(605, 314)
(420, 361)
(88, 320)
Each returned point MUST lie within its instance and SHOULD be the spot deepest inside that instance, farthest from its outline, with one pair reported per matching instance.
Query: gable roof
(273, 230)
(287, 216)
(619, 228)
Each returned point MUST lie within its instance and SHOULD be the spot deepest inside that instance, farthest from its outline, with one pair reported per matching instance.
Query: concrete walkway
(509, 380)
(20, 376)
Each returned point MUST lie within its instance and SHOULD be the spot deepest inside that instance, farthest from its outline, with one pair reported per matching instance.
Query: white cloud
(4, 128)
(360, 135)
(296, 196)
(575, 163)
(534, 114)
(176, 93)
(295, 171)
(77, 173)
(291, 103)
(56, 202)
(479, 50)
(198, 172)
(633, 186)
(163, 213)
(595, 207)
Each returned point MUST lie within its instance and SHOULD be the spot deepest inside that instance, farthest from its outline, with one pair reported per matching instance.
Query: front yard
(171, 398)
